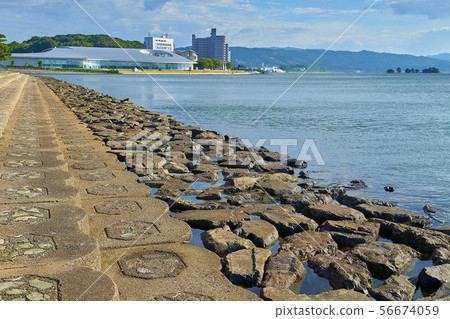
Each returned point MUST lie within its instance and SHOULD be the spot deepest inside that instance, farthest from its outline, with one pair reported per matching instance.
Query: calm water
(385, 129)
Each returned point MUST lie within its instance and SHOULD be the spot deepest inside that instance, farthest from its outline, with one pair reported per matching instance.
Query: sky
(419, 27)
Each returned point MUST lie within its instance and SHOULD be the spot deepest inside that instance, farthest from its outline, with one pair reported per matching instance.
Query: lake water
(384, 129)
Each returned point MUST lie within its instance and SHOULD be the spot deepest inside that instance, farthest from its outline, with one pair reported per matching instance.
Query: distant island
(408, 70)
(289, 59)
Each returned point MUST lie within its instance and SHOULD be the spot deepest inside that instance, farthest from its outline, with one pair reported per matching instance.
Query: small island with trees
(413, 70)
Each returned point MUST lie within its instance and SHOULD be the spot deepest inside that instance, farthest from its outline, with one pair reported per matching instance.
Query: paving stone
(36, 191)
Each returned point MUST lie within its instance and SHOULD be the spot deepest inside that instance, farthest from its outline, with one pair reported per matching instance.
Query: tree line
(412, 70)
(212, 64)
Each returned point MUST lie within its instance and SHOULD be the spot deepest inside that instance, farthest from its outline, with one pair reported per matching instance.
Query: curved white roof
(107, 54)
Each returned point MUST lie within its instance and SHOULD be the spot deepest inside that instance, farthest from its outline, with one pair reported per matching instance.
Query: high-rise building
(163, 43)
(213, 47)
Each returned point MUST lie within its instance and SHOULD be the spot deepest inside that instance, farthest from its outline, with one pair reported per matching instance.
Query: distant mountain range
(341, 61)
(442, 56)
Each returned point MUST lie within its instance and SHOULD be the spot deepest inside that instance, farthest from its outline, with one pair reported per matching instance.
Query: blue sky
(420, 27)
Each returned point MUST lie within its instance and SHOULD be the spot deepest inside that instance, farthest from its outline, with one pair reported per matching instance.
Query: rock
(203, 168)
(349, 233)
(223, 241)
(277, 188)
(260, 232)
(210, 194)
(241, 184)
(292, 162)
(246, 266)
(303, 175)
(394, 214)
(273, 167)
(396, 288)
(438, 214)
(288, 223)
(211, 178)
(176, 168)
(432, 278)
(271, 293)
(255, 196)
(440, 256)
(282, 270)
(306, 198)
(279, 177)
(309, 243)
(322, 213)
(384, 259)
(442, 294)
(343, 271)
(389, 189)
(259, 209)
(207, 219)
(352, 201)
(307, 185)
(341, 295)
(423, 240)
(356, 184)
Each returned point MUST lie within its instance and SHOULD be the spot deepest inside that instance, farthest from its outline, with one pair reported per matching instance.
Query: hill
(344, 61)
(442, 56)
(38, 44)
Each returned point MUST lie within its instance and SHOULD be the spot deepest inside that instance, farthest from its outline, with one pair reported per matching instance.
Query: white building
(163, 43)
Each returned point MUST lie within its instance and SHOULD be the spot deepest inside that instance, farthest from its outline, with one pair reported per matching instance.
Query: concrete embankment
(68, 205)
(75, 225)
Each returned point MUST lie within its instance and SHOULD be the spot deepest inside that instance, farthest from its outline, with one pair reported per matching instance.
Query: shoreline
(250, 189)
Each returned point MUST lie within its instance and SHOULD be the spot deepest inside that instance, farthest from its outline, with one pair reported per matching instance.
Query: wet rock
(322, 213)
(423, 240)
(432, 278)
(309, 243)
(246, 266)
(210, 194)
(277, 188)
(259, 209)
(438, 214)
(282, 270)
(352, 201)
(223, 241)
(307, 185)
(356, 184)
(394, 214)
(389, 189)
(274, 167)
(303, 175)
(306, 198)
(207, 219)
(396, 288)
(288, 223)
(260, 232)
(442, 294)
(349, 233)
(211, 178)
(343, 271)
(292, 162)
(203, 168)
(440, 256)
(384, 259)
(255, 196)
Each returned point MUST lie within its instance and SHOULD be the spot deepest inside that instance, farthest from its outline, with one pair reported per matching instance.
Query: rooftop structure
(102, 58)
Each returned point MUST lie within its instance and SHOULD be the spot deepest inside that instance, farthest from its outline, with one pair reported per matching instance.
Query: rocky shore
(256, 200)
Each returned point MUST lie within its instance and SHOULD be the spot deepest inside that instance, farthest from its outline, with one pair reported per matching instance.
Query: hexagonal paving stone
(107, 190)
(97, 176)
(23, 192)
(29, 288)
(83, 157)
(89, 166)
(23, 163)
(131, 230)
(117, 207)
(12, 247)
(153, 265)
(22, 176)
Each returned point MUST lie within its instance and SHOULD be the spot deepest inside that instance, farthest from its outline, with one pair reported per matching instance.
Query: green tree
(399, 70)
(13, 63)
(390, 71)
(217, 64)
(431, 70)
(204, 63)
(5, 52)
(230, 66)
(40, 64)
